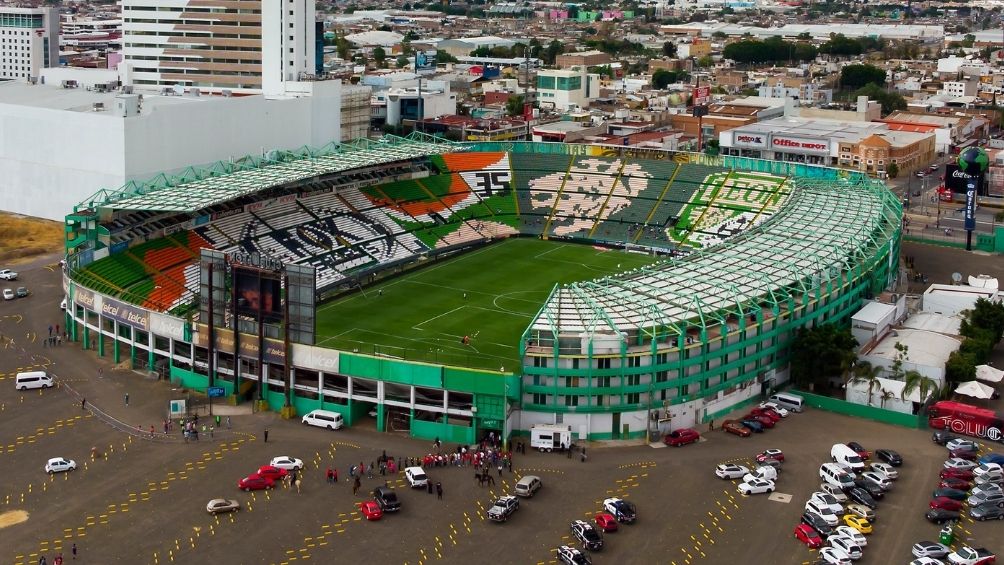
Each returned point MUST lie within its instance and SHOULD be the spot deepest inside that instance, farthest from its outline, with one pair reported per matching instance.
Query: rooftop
(55, 97)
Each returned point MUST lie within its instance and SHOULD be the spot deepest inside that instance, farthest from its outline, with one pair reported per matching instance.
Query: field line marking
(542, 253)
(415, 327)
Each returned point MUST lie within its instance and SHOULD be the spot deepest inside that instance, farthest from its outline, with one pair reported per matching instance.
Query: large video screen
(258, 295)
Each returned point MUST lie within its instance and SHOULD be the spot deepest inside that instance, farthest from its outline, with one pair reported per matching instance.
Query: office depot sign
(758, 140)
(800, 145)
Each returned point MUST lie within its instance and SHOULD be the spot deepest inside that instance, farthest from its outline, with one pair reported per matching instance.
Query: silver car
(217, 505)
(987, 511)
(984, 498)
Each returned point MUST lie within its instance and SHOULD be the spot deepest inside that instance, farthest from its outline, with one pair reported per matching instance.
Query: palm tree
(865, 372)
(886, 395)
(927, 386)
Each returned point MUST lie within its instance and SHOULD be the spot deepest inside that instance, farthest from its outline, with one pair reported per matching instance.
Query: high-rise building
(243, 46)
(29, 41)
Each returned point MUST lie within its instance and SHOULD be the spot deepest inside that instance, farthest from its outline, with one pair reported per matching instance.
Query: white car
(848, 532)
(834, 491)
(824, 499)
(62, 305)
(957, 463)
(59, 465)
(731, 471)
(993, 478)
(962, 443)
(823, 511)
(286, 462)
(886, 469)
(879, 478)
(8, 294)
(985, 469)
(8, 275)
(846, 545)
(930, 549)
(927, 561)
(783, 412)
(416, 477)
(834, 556)
(756, 486)
(986, 489)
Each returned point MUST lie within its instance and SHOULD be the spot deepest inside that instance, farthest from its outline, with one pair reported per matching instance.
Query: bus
(966, 419)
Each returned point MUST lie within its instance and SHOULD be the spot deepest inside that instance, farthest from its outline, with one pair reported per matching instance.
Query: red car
(956, 483)
(964, 454)
(946, 503)
(861, 451)
(255, 482)
(606, 522)
(805, 534)
(682, 436)
(274, 473)
(734, 427)
(964, 474)
(766, 412)
(371, 510)
(765, 420)
(775, 454)
(772, 413)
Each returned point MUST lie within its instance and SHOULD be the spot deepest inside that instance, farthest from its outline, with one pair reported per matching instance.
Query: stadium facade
(754, 251)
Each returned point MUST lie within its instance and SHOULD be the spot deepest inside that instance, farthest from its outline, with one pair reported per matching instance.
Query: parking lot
(144, 501)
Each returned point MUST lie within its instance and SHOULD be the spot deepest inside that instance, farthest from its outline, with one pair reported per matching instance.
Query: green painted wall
(862, 411)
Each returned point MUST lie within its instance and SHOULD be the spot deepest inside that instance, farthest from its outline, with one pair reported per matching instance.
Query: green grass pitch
(490, 295)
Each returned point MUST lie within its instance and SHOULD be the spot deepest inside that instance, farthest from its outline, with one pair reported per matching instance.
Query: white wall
(51, 160)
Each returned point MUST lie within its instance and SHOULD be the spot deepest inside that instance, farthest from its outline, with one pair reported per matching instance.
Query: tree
(711, 147)
(379, 55)
(821, 352)
(669, 49)
(514, 105)
(890, 101)
(892, 169)
(865, 373)
(857, 76)
(663, 78)
(926, 386)
(705, 61)
(985, 315)
(444, 57)
(960, 368)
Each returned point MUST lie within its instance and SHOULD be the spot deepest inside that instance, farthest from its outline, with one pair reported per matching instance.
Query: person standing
(127, 399)
(334, 475)
(266, 435)
(439, 490)
(73, 551)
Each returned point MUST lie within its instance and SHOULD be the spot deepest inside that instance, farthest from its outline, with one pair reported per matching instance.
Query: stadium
(453, 289)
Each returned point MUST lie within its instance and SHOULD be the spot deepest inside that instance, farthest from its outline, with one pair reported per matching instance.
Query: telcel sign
(799, 145)
(757, 140)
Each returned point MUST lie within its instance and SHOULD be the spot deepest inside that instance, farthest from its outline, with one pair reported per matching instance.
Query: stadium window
(571, 400)
(572, 381)
(661, 358)
(599, 400)
(633, 398)
(603, 363)
(662, 376)
(633, 380)
(634, 361)
(603, 382)
(575, 363)
(540, 399)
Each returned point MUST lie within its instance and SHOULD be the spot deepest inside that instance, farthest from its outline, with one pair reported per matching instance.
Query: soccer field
(490, 295)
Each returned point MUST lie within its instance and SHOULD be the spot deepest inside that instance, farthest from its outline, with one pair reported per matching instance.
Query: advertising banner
(742, 139)
(789, 144)
(955, 179)
(971, 204)
(167, 326)
(86, 298)
(275, 352)
(127, 314)
(317, 358)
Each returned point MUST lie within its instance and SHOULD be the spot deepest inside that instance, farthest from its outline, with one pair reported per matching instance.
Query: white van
(835, 475)
(846, 457)
(548, 437)
(323, 419)
(33, 379)
(787, 400)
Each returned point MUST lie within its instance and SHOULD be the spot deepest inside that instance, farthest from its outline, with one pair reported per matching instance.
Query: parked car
(782, 411)
(756, 486)
(962, 443)
(989, 511)
(927, 561)
(956, 463)
(861, 496)
(623, 510)
(753, 425)
(587, 534)
(775, 454)
(218, 505)
(858, 523)
(992, 458)
(807, 535)
(734, 427)
(939, 516)
(886, 469)
(371, 510)
(255, 481)
(846, 545)
(571, 556)
(681, 437)
(952, 482)
(930, 549)
(889, 456)
(764, 420)
(965, 474)
(503, 508)
(873, 488)
(416, 477)
(861, 451)
(824, 511)
(731, 471)
(941, 437)
(881, 480)
(606, 522)
(851, 534)
(946, 503)
(833, 556)
(21, 292)
(60, 465)
(8, 294)
(985, 498)
(861, 511)
(286, 462)
(8, 275)
(966, 555)
(271, 472)
(966, 454)
(834, 491)
(952, 493)
(985, 469)
(986, 489)
(816, 522)
(387, 500)
(827, 500)
(766, 412)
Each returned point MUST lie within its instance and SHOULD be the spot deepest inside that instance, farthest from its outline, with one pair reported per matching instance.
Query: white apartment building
(567, 89)
(240, 46)
(29, 41)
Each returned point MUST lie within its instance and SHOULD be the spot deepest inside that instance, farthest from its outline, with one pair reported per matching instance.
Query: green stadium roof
(196, 189)
(825, 229)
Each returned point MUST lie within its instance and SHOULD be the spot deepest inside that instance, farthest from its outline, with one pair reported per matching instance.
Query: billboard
(257, 294)
(702, 95)
(955, 179)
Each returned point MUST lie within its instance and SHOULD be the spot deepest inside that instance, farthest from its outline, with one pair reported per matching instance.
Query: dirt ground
(22, 237)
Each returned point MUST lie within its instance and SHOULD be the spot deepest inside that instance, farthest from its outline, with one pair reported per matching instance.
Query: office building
(29, 41)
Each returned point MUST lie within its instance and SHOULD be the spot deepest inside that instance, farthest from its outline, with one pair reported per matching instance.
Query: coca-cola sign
(799, 145)
(749, 140)
(955, 179)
